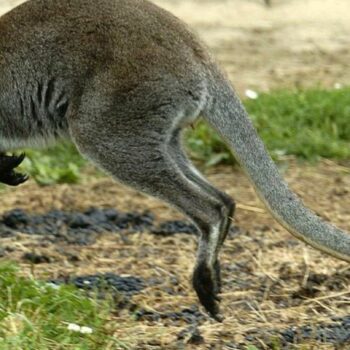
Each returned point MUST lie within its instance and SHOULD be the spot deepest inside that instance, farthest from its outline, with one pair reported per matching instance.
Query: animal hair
(122, 79)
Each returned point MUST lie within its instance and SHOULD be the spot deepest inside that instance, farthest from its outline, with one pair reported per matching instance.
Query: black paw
(8, 163)
(205, 284)
(7, 174)
(13, 179)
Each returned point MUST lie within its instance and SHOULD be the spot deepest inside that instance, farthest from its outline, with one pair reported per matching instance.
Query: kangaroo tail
(227, 115)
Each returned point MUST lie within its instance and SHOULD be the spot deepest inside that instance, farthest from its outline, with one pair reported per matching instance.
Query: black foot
(205, 284)
(218, 281)
(7, 174)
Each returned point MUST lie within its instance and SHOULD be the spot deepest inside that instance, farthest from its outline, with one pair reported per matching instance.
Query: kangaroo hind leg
(196, 178)
(137, 152)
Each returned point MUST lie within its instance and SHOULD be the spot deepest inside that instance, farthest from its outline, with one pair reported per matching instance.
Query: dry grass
(268, 275)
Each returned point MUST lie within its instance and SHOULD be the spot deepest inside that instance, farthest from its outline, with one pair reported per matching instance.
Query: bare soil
(271, 280)
(292, 43)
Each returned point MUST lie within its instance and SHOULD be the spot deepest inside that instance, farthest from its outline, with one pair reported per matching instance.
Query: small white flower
(338, 86)
(86, 330)
(253, 95)
(53, 285)
(74, 327)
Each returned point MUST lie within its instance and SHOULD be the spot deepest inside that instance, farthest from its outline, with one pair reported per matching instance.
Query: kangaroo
(7, 174)
(121, 79)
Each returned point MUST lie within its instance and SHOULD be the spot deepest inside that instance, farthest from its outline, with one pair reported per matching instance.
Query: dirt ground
(271, 281)
(291, 43)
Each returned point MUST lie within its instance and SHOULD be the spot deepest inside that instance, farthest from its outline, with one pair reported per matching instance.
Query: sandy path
(296, 42)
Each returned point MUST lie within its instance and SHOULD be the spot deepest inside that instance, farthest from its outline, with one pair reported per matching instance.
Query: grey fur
(121, 78)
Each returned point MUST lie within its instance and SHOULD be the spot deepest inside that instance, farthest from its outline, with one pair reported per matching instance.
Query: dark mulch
(83, 227)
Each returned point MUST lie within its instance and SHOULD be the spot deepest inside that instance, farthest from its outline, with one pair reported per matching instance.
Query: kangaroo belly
(22, 134)
(37, 118)
(31, 141)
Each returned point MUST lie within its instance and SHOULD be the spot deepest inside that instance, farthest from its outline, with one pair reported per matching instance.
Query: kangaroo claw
(7, 174)
(8, 163)
(205, 284)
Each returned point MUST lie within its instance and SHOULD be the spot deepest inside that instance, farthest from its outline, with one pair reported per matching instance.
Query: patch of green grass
(309, 124)
(59, 164)
(35, 316)
(206, 146)
(252, 347)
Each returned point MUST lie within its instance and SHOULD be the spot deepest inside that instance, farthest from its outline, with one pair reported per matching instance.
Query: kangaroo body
(121, 79)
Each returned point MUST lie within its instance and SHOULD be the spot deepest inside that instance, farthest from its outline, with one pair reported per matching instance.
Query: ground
(272, 282)
(293, 43)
